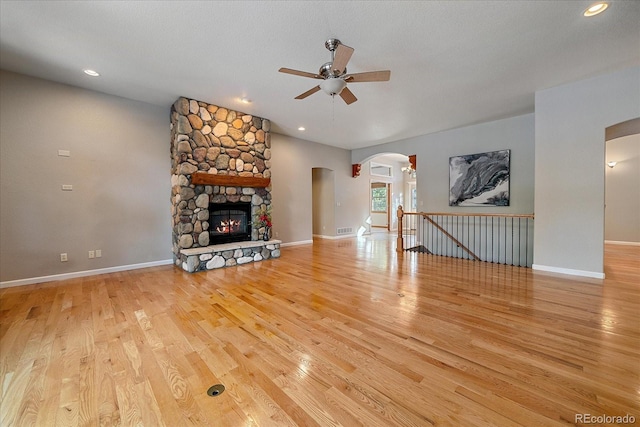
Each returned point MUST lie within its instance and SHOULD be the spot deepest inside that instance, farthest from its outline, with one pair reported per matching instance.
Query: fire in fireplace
(229, 222)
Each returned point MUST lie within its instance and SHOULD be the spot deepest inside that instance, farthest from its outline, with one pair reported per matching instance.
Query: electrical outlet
(67, 187)
(92, 254)
(98, 253)
(63, 257)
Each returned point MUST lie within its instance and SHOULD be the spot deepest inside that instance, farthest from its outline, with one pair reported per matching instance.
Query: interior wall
(622, 192)
(570, 166)
(118, 167)
(291, 164)
(323, 190)
(433, 152)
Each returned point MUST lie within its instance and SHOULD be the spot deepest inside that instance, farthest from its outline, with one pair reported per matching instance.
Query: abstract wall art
(479, 179)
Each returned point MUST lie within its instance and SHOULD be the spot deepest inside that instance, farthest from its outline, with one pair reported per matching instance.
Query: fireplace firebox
(229, 222)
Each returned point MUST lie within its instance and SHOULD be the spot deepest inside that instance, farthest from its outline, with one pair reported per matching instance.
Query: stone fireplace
(220, 178)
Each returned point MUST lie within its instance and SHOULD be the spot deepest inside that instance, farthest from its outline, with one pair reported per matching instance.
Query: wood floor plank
(338, 333)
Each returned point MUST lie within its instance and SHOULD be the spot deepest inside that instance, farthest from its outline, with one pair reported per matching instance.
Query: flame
(228, 226)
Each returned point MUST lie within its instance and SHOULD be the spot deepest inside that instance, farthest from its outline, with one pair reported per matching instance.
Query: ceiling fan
(334, 74)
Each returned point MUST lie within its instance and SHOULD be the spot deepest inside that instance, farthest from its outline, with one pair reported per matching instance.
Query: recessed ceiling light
(245, 100)
(596, 8)
(91, 73)
(301, 128)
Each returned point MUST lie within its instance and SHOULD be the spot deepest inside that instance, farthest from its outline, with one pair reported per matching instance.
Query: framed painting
(479, 179)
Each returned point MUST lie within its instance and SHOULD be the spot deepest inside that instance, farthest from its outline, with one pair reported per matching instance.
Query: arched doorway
(392, 182)
(622, 196)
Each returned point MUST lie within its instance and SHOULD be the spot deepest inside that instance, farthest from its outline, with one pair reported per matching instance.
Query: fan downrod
(326, 70)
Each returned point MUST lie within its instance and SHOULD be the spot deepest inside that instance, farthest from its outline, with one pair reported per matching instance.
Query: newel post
(400, 241)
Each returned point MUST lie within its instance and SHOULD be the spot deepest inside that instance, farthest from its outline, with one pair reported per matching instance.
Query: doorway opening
(323, 202)
(622, 196)
(380, 196)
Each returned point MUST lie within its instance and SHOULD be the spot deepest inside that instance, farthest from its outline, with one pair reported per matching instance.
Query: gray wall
(622, 190)
(119, 169)
(432, 161)
(292, 162)
(570, 156)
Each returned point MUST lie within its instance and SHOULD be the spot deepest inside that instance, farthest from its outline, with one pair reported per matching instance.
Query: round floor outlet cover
(215, 390)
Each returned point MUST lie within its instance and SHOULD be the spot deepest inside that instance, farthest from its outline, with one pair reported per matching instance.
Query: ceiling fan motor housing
(327, 71)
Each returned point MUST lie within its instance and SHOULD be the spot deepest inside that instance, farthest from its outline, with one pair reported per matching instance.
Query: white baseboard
(321, 236)
(75, 274)
(344, 236)
(301, 242)
(569, 271)
(617, 242)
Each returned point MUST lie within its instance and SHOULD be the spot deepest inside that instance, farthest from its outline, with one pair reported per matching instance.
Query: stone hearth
(228, 255)
(217, 145)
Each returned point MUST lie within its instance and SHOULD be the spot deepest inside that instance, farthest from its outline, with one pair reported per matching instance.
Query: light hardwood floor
(341, 332)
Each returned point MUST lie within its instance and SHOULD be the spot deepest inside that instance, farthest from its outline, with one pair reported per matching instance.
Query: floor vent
(344, 230)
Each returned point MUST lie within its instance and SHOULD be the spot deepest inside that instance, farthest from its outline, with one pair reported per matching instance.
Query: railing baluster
(498, 240)
(468, 235)
(486, 238)
(504, 245)
(492, 241)
(512, 241)
(448, 253)
(519, 259)
(438, 236)
(526, 247)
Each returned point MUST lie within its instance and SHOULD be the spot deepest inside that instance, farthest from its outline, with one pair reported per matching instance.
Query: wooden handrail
(425, 214)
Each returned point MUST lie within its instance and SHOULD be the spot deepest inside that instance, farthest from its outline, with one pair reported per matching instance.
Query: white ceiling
(453, 63)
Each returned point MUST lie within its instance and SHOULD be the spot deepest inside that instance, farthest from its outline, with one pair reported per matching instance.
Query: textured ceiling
(453, 63)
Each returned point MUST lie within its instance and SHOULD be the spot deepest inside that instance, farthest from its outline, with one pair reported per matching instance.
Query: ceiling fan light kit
(334, 74)
(333, 86)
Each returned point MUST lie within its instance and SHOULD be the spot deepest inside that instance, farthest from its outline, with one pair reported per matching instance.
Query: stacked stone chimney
(209, 139)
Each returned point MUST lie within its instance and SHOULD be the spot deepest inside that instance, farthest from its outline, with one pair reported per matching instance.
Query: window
(414, 199)
(378, 169)
(379, 197)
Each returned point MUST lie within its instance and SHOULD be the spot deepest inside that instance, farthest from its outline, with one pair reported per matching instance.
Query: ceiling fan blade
(309, 92)
(348, 96)
(343, 55)
(369, 76)
(300, 73)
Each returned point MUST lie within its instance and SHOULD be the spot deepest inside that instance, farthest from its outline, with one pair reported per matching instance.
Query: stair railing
(497, 238)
